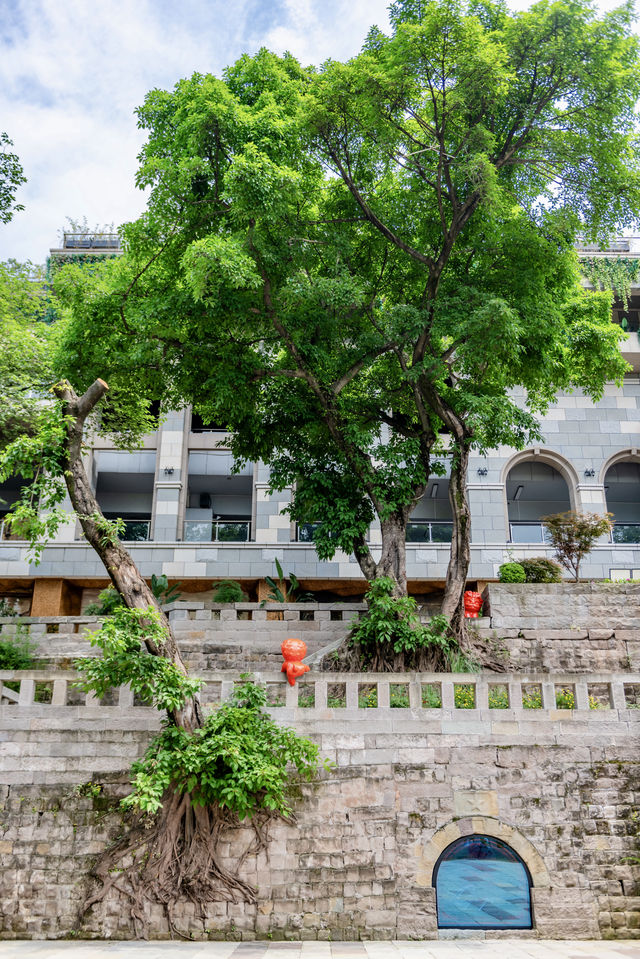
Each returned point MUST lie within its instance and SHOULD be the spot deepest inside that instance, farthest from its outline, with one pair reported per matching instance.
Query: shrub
(573, 536)
(539, 569)
(9, 607)
(17, 652)
(228, 591)
(108, 601)
(393, 621)
(511, 573)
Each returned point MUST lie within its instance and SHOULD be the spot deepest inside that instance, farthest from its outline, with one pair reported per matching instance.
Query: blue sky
(73, 71)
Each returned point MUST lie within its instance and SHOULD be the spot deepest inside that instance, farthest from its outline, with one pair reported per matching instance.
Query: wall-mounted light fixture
(168, 471)
(434, 491)
(482, 471)
(518, 493)
(590, 471)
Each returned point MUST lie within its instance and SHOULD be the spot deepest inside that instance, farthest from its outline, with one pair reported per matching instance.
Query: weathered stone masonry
(560, 786)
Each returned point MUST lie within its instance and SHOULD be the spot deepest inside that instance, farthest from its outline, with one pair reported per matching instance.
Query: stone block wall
(562, 787)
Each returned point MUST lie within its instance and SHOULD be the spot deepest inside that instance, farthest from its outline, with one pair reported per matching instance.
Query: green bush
(9, 607)
(394, 621)
(512, 573)
(228, 591)
(17, 652)
(539, 569)
(108, 601)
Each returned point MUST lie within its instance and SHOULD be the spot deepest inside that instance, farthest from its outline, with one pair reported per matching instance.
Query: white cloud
(73, 72)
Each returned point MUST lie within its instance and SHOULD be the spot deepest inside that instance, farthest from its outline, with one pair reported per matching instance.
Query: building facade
(187, 515)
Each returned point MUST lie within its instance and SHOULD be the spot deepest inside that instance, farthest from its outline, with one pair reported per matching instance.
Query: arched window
(534, 489)
(622, 489)
(481, 883)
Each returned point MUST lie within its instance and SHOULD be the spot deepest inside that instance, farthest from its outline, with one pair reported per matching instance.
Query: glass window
(481, 883)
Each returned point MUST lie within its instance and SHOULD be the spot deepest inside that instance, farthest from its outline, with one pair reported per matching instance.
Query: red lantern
(294, 651)
(472, 604)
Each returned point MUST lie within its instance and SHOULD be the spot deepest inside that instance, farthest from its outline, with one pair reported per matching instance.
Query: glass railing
(136, 530)
(305, 532)
(625, 533)
(529, 533)
(217, 531)
(429, 531)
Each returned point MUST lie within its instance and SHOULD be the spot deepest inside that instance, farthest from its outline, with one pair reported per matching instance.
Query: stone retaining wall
(561, 786)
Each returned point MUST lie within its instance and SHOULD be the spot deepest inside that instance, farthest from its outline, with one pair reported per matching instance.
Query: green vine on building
(607, 273)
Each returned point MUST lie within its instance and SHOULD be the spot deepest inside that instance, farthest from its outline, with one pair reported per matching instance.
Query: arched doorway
(482, 883)
(534, 489)
(622, 492)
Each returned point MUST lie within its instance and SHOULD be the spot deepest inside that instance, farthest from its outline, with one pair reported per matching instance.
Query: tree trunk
(393, 558)
(460, 555)
(123, 572)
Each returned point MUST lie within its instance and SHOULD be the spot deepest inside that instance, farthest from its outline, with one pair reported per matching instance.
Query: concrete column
(55, 597)
(488, 514)
(271, 526)
(170, 479)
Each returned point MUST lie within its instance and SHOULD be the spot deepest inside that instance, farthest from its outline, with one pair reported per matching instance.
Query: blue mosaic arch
(482, 883)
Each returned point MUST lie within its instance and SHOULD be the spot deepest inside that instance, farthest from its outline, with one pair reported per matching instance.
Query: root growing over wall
(174, 857)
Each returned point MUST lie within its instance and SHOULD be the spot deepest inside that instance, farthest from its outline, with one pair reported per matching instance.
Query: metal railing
(91, 241)
(217, 531)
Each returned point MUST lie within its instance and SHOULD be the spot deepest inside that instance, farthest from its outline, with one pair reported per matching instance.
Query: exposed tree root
(172, 858)
(350, 658)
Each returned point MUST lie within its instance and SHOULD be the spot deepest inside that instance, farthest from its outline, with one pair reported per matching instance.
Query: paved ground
(458, 949)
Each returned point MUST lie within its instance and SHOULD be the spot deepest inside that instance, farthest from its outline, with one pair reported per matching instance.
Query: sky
(72, 73)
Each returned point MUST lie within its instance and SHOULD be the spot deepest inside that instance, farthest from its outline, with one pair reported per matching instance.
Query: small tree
(573, 536)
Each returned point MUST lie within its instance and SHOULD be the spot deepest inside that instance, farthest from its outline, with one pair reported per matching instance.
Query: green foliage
(38, 460)
(25, 358)
(565, 699)
(228, 591)
(532, 699)
(8, 607)
(162, 591)
(109, 599)
(608, 273)
(155, 679)
(498, 697)
(16, 652)
(11, 177)
(539, 569)
(512, 573)
(394, 622)
(239, 760)
(431, 697)
(464, 696)
(279, 592)
(372, 248)
(573, 536)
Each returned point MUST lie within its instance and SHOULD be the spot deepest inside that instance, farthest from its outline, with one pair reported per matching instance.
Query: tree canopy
(11, 177)
(343, 265)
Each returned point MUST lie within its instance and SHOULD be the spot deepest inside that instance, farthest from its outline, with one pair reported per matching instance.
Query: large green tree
(343, 265)
(25, 369)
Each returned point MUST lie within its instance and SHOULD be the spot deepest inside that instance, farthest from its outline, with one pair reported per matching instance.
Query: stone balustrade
(357, 697)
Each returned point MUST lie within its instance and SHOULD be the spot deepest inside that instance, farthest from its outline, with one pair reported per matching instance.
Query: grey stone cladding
(582, 441)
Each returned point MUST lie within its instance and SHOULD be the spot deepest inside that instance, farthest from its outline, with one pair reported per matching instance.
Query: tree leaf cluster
(238, 760)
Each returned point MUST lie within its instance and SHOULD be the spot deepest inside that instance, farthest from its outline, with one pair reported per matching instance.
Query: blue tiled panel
(481, 884)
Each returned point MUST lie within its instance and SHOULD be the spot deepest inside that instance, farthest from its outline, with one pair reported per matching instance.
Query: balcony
(217, 531)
